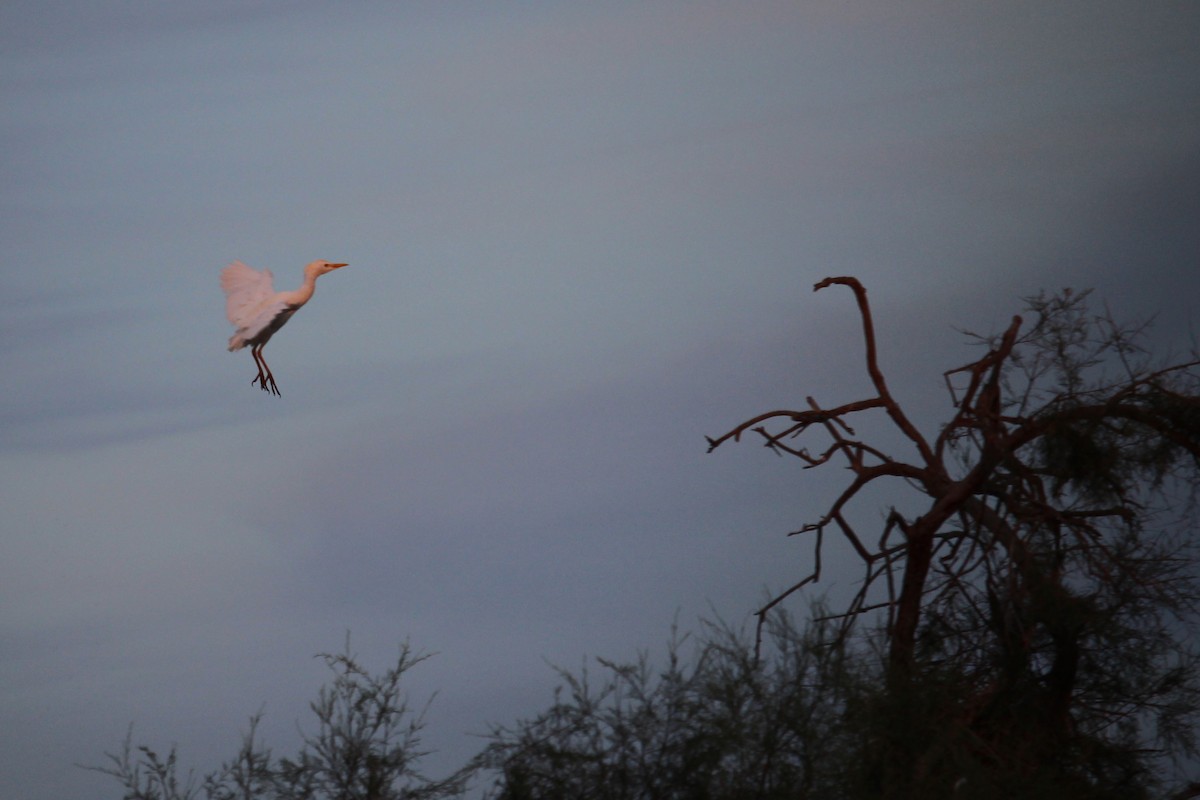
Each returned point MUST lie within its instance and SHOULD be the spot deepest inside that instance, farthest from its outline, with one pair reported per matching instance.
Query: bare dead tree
(1064, 443)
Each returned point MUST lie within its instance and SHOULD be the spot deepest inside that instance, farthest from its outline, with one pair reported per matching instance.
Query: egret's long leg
(266, 381)
(261, 379)
(270, 377)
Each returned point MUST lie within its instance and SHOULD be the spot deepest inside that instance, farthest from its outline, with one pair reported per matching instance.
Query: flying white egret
(257, 310)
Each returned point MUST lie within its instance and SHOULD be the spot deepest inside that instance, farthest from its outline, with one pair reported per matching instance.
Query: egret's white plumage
(257, 310)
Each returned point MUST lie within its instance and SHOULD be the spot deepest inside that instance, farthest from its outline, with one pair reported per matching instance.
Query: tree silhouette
(718, 724)
(366, 746)
(1031, 610)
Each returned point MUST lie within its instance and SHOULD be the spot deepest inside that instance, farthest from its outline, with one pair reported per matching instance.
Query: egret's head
(321, 267)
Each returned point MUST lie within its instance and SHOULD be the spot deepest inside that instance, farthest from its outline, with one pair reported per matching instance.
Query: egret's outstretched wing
(262, 326)
(247, 293)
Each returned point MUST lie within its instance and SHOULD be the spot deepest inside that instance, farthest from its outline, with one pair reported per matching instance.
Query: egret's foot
(267, 384)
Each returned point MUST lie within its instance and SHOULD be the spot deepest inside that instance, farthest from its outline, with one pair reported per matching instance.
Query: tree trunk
(912, 589)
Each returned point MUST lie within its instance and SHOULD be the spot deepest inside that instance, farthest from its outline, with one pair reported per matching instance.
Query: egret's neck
(302, 295)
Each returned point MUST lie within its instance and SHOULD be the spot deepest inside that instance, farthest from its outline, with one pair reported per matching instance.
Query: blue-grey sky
(581, 237)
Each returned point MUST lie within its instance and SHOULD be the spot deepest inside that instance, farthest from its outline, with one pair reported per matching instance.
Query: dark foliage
(720, 724)
(365, 747)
